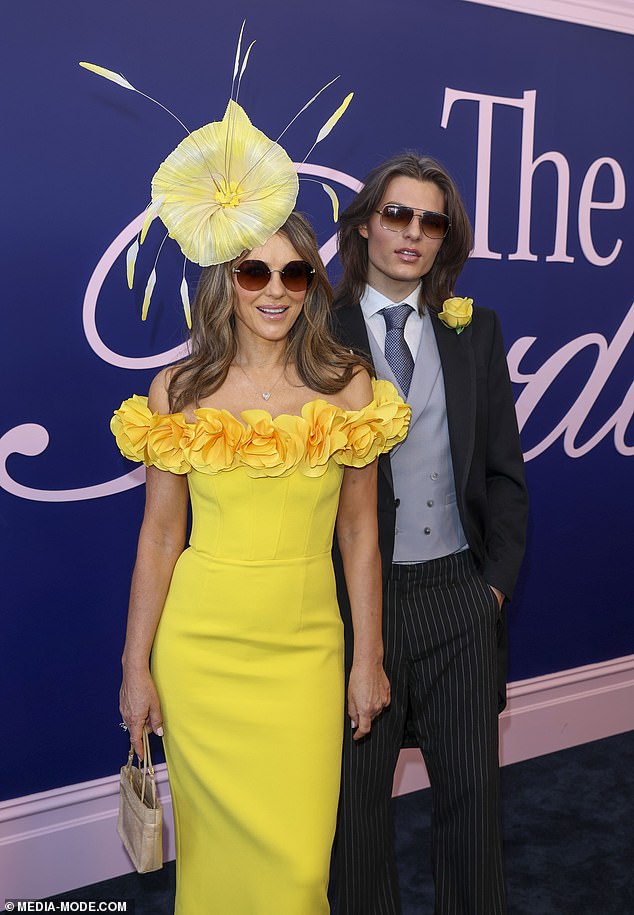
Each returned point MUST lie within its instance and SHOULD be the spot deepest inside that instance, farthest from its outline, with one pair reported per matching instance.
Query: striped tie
(397, 352)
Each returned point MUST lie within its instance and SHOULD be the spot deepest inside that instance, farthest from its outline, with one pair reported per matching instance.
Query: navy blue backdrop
(487, 92)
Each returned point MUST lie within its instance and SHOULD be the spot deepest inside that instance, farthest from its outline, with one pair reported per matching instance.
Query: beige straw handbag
(140, 823)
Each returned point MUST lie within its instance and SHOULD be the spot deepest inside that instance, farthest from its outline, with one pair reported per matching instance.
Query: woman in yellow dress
(272, 431)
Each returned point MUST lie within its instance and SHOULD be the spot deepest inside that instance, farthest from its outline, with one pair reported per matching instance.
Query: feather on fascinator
(226, 187)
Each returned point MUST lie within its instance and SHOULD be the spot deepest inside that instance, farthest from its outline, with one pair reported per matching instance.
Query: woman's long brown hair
(320, 362)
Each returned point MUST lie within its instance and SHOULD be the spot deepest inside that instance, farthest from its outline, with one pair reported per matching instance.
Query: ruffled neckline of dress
(263, 445)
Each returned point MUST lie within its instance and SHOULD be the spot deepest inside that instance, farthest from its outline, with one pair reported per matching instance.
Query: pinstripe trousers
(440, 622)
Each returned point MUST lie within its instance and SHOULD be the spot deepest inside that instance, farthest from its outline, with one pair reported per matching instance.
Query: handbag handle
(145, 765)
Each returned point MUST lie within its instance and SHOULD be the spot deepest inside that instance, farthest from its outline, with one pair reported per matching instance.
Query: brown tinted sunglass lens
(296, 276)
(253, 275)
(435, 225)
(396, 217)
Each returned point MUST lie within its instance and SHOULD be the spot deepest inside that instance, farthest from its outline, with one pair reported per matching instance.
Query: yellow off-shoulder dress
(248, 655)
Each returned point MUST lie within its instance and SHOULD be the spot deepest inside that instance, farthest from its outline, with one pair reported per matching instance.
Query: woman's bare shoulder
(158, 397)
(358, 392)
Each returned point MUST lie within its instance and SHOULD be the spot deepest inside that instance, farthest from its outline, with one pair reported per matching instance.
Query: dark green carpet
(568, 830)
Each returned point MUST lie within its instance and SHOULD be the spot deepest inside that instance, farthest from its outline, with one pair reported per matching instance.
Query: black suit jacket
(485, 450)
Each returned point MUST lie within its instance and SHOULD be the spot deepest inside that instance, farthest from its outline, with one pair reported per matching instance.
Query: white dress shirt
(371, 304)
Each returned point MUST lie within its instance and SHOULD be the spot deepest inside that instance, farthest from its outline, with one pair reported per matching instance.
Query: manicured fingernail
(159, 731)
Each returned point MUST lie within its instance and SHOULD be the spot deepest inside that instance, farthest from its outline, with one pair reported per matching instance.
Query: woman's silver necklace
(266, 395)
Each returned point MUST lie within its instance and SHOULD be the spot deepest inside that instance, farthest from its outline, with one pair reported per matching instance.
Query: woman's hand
(139, 706)
(368, 695)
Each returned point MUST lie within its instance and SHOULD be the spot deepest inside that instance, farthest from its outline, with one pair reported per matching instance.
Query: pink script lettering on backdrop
(529, 163)
(537, 383)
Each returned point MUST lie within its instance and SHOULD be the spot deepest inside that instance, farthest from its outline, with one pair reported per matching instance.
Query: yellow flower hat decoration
(217, 204)
(226, 188)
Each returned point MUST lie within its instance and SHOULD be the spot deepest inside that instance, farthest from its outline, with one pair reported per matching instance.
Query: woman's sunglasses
(255, 275)
(396, 217)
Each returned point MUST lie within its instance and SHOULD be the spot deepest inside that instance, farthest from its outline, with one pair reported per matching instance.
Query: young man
(452, 518)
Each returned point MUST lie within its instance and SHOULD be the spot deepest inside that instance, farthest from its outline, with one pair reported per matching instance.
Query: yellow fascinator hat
(226, 187)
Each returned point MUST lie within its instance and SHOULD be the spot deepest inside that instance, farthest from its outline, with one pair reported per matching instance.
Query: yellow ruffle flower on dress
(391, 410)
(375, 429)
(168, 443)
(264, 446)
(224, 189)
(216, 440)
(130, 426)
(365, 440)
(324, 436)
(271, 447)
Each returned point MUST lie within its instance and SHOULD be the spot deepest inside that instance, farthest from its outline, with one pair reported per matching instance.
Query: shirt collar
(372, 301)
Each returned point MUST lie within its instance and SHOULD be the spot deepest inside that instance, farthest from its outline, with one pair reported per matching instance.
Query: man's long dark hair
(438, 284)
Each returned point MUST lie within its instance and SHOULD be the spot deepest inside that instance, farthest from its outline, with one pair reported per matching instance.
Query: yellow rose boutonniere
(456, 313)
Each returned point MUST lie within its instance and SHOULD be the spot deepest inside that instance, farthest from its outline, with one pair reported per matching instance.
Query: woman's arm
(357, 535)
(161, 542)
(368, 687)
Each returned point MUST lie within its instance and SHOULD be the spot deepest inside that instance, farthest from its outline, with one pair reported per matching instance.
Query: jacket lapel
(459, 373)
(350, 329)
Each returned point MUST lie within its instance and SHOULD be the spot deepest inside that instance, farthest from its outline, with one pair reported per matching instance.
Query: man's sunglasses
(255, 275)
(396, 217)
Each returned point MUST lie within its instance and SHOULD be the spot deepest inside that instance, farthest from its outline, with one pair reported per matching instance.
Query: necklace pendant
(266, 395)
